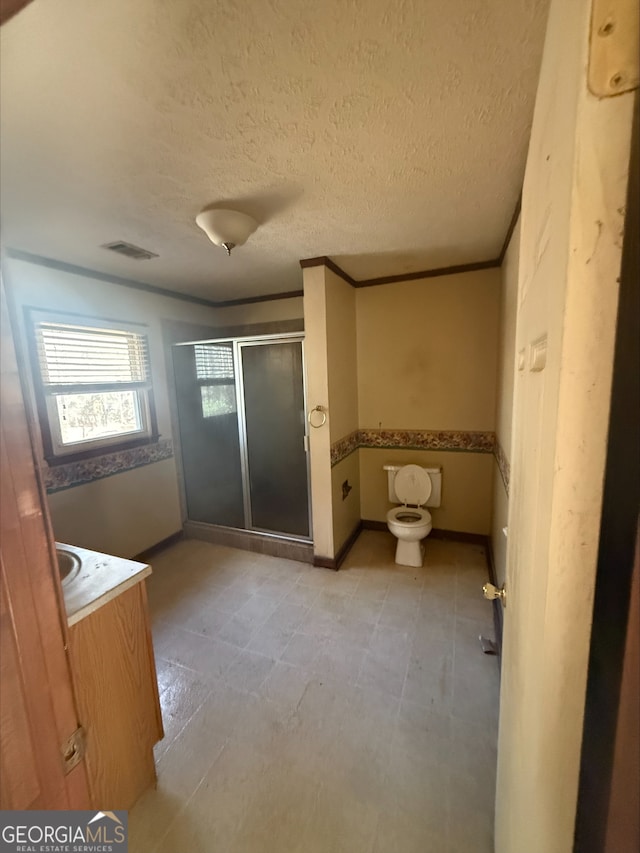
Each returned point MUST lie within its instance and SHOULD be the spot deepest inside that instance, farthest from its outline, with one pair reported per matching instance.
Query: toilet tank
(435, 475)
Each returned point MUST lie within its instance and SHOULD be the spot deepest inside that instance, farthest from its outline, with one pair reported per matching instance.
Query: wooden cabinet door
(37, 704)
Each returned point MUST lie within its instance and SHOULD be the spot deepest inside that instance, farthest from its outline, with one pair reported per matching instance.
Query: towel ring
(321, 411)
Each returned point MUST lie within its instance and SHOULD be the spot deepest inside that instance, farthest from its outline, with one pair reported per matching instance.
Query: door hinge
(73, 749)
(613, 49)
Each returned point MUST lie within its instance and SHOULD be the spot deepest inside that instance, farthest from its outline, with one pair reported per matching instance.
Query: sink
(68, 565)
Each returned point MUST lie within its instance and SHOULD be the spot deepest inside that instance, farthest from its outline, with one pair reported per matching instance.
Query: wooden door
(37, 705)
(572, 217)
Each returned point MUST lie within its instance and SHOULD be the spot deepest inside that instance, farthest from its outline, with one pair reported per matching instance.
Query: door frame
(238, 342)
(600, 768)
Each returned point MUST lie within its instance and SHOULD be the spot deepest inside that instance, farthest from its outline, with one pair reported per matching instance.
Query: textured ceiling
(390, 135)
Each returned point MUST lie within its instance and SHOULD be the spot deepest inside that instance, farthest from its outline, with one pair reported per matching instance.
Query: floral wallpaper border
(503, 464)
(344, 447)
(471, 442)
(72, 474)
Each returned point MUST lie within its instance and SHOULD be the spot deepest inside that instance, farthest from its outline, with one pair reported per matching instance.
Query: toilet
(414, 488)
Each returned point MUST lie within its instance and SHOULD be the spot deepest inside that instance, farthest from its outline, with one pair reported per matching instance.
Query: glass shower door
(209, 435)
(275, 429)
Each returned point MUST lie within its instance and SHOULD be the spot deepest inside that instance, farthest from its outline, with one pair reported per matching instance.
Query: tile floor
(309, 711)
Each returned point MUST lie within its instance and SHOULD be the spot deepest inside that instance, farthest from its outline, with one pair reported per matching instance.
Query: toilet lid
(413, 485)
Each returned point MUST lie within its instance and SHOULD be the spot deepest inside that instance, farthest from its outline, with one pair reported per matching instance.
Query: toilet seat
(408, 517)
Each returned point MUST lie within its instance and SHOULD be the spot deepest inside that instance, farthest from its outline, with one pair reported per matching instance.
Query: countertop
(102, 577)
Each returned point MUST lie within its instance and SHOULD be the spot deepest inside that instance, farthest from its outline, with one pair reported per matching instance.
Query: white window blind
(79, 356)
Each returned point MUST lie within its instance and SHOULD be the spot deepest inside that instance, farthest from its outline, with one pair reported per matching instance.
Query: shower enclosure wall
(242, 421)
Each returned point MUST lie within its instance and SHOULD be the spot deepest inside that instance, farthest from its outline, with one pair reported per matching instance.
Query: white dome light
(226, 228)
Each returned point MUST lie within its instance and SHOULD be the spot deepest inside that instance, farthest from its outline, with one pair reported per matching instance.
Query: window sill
(105, 450)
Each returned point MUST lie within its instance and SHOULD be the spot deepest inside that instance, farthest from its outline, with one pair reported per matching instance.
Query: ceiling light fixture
(226, 228)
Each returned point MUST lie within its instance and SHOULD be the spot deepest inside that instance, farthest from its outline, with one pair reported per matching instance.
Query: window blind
(77, 355)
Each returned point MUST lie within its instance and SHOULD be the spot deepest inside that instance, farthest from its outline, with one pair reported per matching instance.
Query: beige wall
(123, 514)
(346, 511)
(331, 369)
(504, 401)
(342, 369)
(427, 352)
(507, 341)
(342, 356)
(130, 511)
(427, 360)
(466, 486)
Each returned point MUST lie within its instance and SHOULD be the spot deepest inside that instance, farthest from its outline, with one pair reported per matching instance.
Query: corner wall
(342, 365)
(331, 374)
(317, 386)
(427, 363)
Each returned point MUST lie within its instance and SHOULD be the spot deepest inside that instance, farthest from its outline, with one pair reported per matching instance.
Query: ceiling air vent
(129, 250)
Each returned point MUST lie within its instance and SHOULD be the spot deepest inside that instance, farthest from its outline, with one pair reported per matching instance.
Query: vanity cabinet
(114, 676)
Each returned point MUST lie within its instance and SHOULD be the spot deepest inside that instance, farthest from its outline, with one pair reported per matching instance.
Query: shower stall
(243, 433)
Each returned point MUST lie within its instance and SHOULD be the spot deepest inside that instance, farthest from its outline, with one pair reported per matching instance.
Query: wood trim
(324, 261)
(69, 458)
(74, 269)
(392, 279)
(133, 284)
(347, 545)
(459, 536)
(33, 590)
(430, 273)
(369, 524)
(9, 8)
(305, 263)
(325, 563)
(269, 297)
(512, 227)
(143, 556)
(436, 533)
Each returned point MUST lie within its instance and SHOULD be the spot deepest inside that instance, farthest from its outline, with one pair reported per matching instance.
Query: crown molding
(510, 229)
(74, 269)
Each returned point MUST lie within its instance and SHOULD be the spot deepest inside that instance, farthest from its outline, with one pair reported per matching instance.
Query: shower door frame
(237, 344)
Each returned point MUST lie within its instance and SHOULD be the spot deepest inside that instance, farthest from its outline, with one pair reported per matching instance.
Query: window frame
(54, 453)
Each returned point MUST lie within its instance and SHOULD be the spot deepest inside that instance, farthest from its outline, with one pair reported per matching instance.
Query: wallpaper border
(73, 474)
(397, 439)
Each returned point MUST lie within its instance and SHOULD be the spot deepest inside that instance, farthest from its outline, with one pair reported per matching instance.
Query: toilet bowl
(410, 523)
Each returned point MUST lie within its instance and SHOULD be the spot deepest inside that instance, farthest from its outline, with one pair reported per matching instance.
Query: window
(215, 373)
(93, 387)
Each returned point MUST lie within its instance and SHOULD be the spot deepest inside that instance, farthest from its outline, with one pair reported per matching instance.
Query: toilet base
(409, 553)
